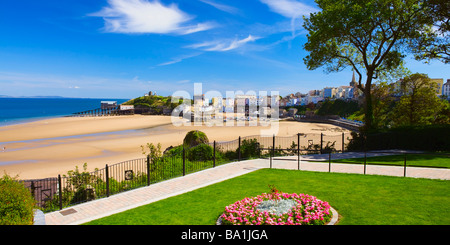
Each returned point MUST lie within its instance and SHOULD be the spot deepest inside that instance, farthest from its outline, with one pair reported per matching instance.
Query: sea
(23, 110)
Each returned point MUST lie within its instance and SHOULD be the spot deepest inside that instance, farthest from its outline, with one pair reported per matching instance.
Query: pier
(111, 111)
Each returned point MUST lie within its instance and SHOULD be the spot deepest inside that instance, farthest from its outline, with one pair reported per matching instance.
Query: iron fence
(77, 187)
(401, 159)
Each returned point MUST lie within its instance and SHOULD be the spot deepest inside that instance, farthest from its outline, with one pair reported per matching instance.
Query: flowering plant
(287, 209)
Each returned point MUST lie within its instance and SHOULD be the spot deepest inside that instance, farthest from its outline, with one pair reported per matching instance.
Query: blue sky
(125, 48)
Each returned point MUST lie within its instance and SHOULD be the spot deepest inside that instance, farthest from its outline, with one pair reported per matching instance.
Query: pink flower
(246, 212)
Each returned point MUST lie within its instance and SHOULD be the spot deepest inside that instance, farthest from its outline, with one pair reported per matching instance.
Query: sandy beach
(50, 147)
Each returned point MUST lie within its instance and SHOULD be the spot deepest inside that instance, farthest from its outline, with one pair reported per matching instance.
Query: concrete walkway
(103, 207)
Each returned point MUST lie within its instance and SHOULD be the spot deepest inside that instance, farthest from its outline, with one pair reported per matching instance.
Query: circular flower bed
(278, 209)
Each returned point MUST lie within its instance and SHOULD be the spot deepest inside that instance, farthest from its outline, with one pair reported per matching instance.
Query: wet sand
(50, 147)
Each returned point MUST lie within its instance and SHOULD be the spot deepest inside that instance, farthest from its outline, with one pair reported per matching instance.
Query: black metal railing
(396, 158)
(77, 187)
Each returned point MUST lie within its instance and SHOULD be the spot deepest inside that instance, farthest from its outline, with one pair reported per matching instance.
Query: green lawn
(417, 160)
(359, 199)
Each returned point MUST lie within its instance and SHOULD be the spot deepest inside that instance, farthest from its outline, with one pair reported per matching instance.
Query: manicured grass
(359, 199)
(418, 160)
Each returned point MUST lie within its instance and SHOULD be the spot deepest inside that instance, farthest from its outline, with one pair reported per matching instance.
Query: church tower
(353, 82)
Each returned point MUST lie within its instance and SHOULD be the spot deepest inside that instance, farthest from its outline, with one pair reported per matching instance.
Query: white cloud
(289, 8)
(145, 16)
(223, 45)
(222, 7)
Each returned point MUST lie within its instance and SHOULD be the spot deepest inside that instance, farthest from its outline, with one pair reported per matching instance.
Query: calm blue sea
(21, 110)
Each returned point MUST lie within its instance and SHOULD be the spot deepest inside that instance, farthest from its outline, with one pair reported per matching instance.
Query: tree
(382, 104)
(419, 104)
(435, 44)
(370, 36)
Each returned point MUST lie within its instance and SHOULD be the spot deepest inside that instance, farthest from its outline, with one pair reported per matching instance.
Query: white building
(126, 107)
(293, 102)
(344, 92)
(446, 89)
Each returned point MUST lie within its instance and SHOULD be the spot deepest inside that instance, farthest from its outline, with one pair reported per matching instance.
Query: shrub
(81, 186)
(16, 202)
(194, 138)
(250, 148)
(231, 155)
(174, 151)
(154, 151)
(200, 152)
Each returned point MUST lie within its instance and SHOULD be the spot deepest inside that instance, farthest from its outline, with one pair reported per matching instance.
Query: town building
(446, 89)
(440, 83)
(329, 92)
(198, 99)
(108, 104)
(439, 86)
(126, 107)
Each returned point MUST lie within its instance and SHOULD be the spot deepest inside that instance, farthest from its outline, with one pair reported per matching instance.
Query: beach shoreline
(48, 147)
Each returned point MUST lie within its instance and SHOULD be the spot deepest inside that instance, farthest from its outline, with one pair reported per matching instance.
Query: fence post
(184, 163)
(343, 148)
(404, 169)
(239, 149)
(321, 142)
(270, 156)
(298, 150)
(148, 169)
(60, 192)
(365, 160)
(273, 150)
(214, 154)
(107, 180)
(329, 162)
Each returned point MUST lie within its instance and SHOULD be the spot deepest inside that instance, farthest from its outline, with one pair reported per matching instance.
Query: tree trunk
(368, 106)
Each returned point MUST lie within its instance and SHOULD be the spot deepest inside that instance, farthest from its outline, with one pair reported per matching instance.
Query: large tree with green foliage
(383, 102)
(435, 44)
(419, 103)
(370, 36)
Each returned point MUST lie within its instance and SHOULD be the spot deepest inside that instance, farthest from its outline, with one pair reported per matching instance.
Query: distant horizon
(55, 97)
(18, 110)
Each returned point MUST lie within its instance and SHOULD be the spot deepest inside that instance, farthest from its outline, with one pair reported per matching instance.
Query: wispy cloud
(222, 7)
(291, 9)
(179, 59)
(223, 45)
(145, 16)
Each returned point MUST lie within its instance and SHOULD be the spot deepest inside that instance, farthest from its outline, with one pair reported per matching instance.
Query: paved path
(92, 210)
